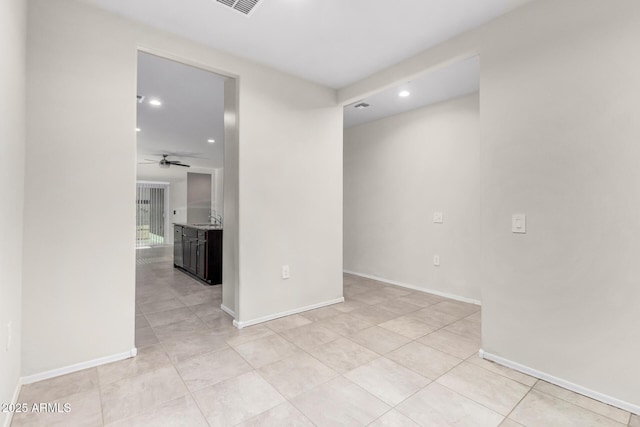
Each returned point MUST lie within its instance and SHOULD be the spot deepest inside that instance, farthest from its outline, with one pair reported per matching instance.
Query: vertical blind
(150, 213)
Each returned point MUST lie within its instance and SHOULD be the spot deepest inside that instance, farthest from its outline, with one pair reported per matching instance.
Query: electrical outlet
(285, 272)
(436, 260)
(9, 335)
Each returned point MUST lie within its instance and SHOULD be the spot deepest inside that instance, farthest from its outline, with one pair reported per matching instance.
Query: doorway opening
(412, 186)
(186, 187)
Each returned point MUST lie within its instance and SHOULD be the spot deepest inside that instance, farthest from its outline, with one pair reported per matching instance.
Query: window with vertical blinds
(151, 204)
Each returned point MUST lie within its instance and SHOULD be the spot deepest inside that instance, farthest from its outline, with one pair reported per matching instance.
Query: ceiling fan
(164, 163)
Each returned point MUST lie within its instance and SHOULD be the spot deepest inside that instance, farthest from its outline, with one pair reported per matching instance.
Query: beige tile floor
(386, 357)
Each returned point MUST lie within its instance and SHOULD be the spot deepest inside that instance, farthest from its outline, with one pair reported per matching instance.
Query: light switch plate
(438, 217)
(436, 260)
(285, 272)
(519, 223)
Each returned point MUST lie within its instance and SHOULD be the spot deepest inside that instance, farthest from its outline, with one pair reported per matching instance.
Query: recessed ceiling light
(211, 141)
(138, 129)
(404, 94)
(155, 102)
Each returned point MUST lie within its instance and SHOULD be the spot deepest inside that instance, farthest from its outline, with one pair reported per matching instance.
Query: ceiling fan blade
(180, 154)
(180, 164)
(148, 163)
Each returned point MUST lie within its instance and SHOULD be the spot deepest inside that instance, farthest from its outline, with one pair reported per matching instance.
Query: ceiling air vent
(243, 6)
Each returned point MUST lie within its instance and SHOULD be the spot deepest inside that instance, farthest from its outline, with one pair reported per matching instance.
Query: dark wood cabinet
(201, 252)
(214, 256)
(189, 249)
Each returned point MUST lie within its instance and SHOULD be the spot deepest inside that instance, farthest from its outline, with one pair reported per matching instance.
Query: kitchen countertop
(200, 226)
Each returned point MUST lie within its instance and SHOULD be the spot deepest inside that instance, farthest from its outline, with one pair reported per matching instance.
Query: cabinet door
(188, 258)
(201, 268)
(193, 255)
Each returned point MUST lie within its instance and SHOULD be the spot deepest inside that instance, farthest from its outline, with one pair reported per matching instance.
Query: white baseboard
(78, 367)
(246, 323)
(228, 310)
(416, 288)
(14, 400)
(629, 407)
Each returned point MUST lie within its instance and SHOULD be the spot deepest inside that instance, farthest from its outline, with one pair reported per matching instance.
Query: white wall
(560, 135)
(398, 171)
(199, 197)
(79, 267)
(231, 174)
(559, 142)
(217, 198)
(290, 195)
(290, 180)
(12, 147)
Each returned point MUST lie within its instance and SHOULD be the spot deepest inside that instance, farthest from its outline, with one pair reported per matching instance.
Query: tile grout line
(580, 406)
(519, 402)
(475, 354)
(189, 392)
(415, 341)
(434, 380)
(100, 396)
(285, 399)
(449, 370)
(139, 375)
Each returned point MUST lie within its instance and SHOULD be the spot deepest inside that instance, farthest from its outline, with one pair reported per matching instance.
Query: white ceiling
(457, 79)
(192, 112)
(332, 42)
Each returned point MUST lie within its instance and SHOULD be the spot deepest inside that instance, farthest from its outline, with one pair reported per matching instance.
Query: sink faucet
(215, 218)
